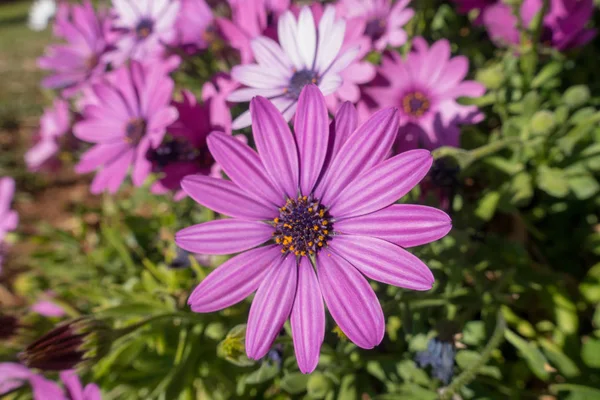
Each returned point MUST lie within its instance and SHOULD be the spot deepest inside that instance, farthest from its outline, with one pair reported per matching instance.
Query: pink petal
(276, 145)
(45, 389)
(269, 55)
(383, 261)
(350, 300)
(113, 174)
(243, 166)
(92, 392)
(382, 185)
(225, 197)
(73, 385)
(12, 376)
(234, 280)
(366, 147)
(343, 125)
(406, 225)
(311, 128)
(7, 191)
(224, 236)
(307, 318)
(271, 307)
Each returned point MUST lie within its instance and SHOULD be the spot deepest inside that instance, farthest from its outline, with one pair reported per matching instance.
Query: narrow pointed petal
(234, 280)
(366, 147)
(223, 236)
(226, 198)
(271, 307)
(307, 35)
(308, 318)
(243, 166)
(311, 128)
(383, 261)
(73, 384)
(351, 300)
(275, 144)
(405, 225)
(344, 124)
(383, 184)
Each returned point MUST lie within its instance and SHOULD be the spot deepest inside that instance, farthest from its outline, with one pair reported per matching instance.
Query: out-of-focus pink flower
(307, 53)
(378, 20)
(84, 55)
(146, 27)
(249, 20)
(131, 117)
(466, 6)
(9, 219)
(425, 87)
(13, 376)
(47, 307)
(184, 151)
(193, 24)
(54, 124)
(564, 25)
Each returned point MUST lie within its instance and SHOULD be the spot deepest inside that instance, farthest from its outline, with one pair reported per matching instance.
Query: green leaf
(590, 287)
(590, 353)
(521, 188)
(585, 391)
(532, 354)
(558, 359)
(552, 181)
(474, 333)
(487, 206)
(318, 385)
(266, 372)
(549, 71)
(294, 383)
(584, 186)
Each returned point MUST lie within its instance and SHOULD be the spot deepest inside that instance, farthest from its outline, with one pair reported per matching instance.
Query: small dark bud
(68, 345)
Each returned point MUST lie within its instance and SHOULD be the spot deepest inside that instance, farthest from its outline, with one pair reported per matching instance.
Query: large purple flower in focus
(13, 376)
(146, 27)
(564, 25)
(129, 116)
(83, 56)
(425, 87)
(306, 53)
(313, 213)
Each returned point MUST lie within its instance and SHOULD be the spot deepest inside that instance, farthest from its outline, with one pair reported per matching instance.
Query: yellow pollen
(325, 222)
(321, 238)
(276, 220)
(316, 227)
(320, 244)
(310, 209)
(325, 231)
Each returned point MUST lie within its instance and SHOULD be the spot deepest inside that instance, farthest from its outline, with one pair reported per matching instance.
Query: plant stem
(469, 374)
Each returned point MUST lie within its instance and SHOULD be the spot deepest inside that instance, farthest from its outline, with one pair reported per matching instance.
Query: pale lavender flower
(313, 213)
(129, 116)
(9, 219)
(146, 26)
(307, 53)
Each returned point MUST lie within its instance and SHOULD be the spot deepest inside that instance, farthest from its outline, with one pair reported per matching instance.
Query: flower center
(135, 130)
(415, 103)
(144, 28)
(176, 149)
(375, 28)
(303, 226)
(299, 80)
(92, 61)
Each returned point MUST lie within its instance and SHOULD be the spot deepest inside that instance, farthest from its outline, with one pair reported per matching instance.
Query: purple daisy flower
(564, 25)
(83, 56)
(193, 24)
(306, 54)
(425, 87)
(129, 116)
(146, 27)
(313, 213)
(13, 376)
(379, 20)
(54, 124)
(184, 151)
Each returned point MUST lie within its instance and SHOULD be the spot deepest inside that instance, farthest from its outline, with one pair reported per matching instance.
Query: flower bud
(69, 345)
(233, 347)
(8, 326)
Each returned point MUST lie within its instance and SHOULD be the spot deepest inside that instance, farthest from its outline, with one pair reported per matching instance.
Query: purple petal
(308, 318)
(311, 127)
(271, 307)
(366, 147)
(344, 124)
(382, 185)
(45, 389)
(234, 280)
(226, 198)
(48, 309)
(243, 166)
(383, 261)
(406, 225)
(224, 236)
(275, 144)
(12, 376)
(73, 385)
(350, 300)
(92, 392)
